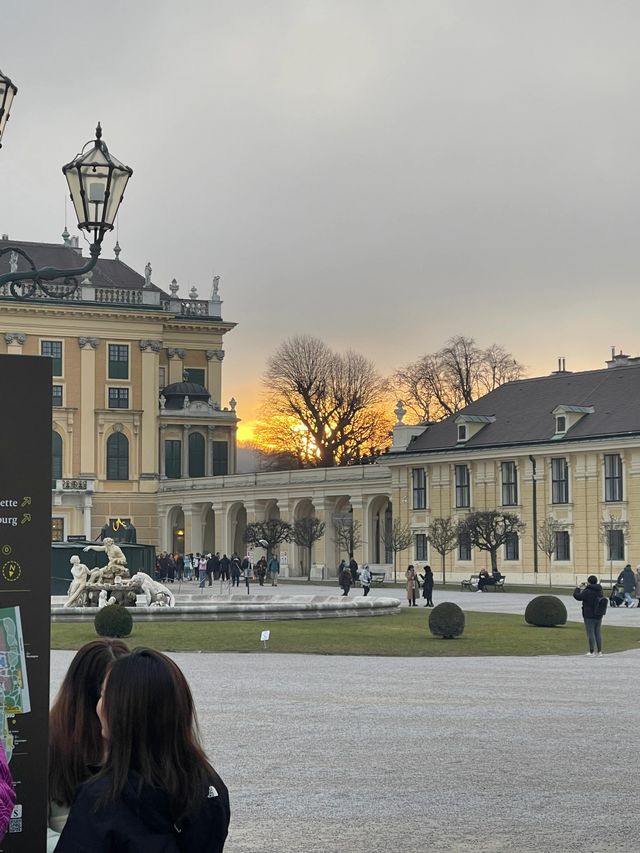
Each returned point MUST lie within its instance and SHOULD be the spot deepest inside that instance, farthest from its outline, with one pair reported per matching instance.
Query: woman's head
(149, 723)
(592, 579)
(74, 730)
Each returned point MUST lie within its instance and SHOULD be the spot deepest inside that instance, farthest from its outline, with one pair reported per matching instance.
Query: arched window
(56, 457)
(196, 455)
(117, 457)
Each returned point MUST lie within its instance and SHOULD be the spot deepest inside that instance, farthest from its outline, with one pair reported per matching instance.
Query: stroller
(616, 598)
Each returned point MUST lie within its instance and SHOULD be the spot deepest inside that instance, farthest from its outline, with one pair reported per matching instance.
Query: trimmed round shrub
(446, 620)
(545, 611)
(113, 621)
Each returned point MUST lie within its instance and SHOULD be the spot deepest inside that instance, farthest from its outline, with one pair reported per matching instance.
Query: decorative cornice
(175, 353)
(154, 346)
(15, 337)
(83, 343)
(214, 353)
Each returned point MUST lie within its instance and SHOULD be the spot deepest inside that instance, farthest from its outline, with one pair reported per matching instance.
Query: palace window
(512, 547)
(509, 484)
(612, 477)
(559, 481)
(118, 398)
(419, 481)
(421, 546)
(563, 545)
(173, 458)
(56, 395)
(118, 361)
(616, 545)
(196, 455)
(195, 374)
(463, 494)
(117, 456)
(53, 349)
(464, 546)
(220, 458)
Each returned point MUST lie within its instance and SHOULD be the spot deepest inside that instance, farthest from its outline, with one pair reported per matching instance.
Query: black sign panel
(25, 531)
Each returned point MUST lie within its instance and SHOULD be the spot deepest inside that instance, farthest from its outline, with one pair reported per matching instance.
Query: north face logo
(212, 792)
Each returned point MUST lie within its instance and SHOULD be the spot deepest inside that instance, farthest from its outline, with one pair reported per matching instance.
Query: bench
(377, 578)
(472, 584)
(607, 583)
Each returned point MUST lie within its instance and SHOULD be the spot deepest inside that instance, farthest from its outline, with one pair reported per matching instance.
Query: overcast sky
(380, 173)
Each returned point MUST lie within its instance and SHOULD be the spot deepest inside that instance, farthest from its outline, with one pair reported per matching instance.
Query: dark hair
(75, 741)
(152, 729)
(592, 579)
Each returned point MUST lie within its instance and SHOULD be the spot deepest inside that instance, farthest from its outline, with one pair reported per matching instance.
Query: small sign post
(264, 637)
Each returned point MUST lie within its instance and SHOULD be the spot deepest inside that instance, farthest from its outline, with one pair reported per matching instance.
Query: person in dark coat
(628, 580)
(344, 579)
(427, 586)
(216, 566)
(353, 568)
(179, 560)
(235, 570)
(225, 565)
(156, 791)
(211, 563)
(589, 594)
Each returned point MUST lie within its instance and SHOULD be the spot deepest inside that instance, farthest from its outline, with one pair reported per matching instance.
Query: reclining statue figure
(152, 589)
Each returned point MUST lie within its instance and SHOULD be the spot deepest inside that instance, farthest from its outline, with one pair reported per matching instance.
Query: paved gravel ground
(354, 755)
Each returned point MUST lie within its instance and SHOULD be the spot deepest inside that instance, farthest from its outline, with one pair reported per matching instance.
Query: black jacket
(588, 596)
(139, 821)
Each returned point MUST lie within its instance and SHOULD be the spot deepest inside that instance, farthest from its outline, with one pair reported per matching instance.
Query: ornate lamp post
(97, 182)
(7, 93)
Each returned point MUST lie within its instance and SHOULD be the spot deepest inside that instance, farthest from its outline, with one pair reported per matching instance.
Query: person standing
(628, 580)
(274, 569)
(246, 572)
(179, 559)
(216, 566)
(210, 567)
(412, 585)
(261, 570)
(353, 568)
(344, 579)
(188, 566)
(589, 594)
(427, 586)
(365, 580)
(202, 570)
(637, 573)
(235, 570)
(225, 565)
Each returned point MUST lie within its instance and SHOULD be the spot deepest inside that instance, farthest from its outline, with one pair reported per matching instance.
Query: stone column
(192, 529)
(185, 451)
(163, 456)
(323, 548)
(357, 504)
(88, 348)
(208, 462)
(88, 503)
(15, 342)
(219, 529)
(214, 374)
(176, 369)
(150, 358)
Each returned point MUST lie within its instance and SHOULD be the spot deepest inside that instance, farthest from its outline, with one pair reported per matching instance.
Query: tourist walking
(590, 595)
(235, 570)
(247, 572)
(274, 569)
(344, 578)
(155, 788)
(261, 570)
(427, 586)
(225, 565)
(628, 580)
(413, 586)
(202, 570)
(365, 580)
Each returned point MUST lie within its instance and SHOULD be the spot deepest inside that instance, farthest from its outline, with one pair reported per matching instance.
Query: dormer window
(561, 423)
(468, 425)
(567, 417)
(462, 432)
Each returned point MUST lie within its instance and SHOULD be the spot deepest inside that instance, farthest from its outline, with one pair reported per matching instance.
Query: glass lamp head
(8, 91)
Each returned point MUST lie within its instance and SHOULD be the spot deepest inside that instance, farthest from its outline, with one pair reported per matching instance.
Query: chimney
(619, 359)
(562, 367)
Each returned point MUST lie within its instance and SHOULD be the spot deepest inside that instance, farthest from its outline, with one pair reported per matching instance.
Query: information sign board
(25, 556)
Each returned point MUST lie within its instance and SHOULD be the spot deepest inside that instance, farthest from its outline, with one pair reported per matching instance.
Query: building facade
(137, 387)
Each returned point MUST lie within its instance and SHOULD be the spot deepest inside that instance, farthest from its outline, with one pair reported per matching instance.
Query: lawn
(406, 635)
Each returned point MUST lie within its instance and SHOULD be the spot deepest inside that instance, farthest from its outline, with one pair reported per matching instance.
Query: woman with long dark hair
(75, 741)
(156, 791)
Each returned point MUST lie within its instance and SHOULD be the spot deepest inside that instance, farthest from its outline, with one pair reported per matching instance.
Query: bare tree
(327, 404)
(546, 537)
(442, 533)
(348, 534)
(305, 532)
(397, 537)
(608, 527)
(442, 383)
(489, 530)
(267, 534)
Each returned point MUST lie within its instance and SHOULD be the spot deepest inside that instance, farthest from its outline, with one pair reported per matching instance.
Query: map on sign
(13, 665)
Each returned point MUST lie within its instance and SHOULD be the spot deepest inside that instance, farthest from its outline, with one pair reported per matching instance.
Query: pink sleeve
(7, 793)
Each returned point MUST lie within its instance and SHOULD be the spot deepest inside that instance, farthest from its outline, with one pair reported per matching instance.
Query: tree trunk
(309, 558)
(494, 560)
(444, 571)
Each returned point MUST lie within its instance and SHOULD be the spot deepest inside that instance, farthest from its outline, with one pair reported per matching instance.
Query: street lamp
(7, 94)
(97, 182)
